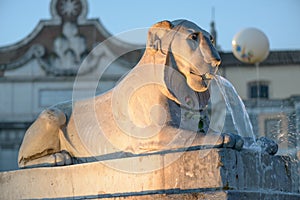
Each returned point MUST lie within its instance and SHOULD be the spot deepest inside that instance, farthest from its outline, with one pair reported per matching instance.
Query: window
(258, 89)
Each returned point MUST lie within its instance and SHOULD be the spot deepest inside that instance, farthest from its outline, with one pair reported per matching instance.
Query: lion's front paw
(63, 158)
(267, 145)
(232, 141)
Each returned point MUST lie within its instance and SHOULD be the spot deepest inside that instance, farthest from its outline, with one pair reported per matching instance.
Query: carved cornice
(35, 51)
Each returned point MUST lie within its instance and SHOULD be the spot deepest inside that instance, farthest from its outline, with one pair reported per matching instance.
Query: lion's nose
(216, 59)
(216, 62)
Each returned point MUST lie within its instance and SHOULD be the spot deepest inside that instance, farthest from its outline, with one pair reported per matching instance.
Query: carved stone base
(193, 174)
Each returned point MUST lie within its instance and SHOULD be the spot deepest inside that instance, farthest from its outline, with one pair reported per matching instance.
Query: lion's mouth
(204, 78)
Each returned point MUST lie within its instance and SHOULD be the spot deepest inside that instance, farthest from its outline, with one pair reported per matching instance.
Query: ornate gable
(61, 43)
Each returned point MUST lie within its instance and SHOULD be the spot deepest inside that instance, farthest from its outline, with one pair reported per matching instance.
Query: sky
(278, 19)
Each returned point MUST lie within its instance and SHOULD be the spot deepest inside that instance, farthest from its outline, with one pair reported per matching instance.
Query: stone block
(194, 169)
(256, 170)
(193, 174)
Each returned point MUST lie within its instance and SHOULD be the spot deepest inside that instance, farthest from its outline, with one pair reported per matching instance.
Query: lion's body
(153, 108)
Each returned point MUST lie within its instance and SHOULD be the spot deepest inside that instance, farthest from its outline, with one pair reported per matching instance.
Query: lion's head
(191, 49)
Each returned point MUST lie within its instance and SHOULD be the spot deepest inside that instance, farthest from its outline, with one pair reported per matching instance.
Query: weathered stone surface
(137, 114)
(195, 169)
(216, 195)
(195, 174)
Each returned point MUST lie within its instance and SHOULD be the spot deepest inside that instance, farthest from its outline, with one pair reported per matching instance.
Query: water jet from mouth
(237, 121)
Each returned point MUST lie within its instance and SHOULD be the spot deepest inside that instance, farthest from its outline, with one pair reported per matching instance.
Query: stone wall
(192, 174)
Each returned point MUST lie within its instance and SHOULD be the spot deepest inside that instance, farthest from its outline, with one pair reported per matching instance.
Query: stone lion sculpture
(149, 110)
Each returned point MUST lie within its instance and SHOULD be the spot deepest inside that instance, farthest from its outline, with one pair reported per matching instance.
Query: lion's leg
(42, 138)
(233, 141)
(173, 138)
(217, 140)
(212, 139)
(57, 159)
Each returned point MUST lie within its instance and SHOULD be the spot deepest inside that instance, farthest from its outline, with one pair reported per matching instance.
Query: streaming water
(235, 108)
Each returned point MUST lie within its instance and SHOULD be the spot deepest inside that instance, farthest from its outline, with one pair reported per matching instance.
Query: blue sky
(278, 19)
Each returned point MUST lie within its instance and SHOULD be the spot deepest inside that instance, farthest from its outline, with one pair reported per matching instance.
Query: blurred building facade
(41, 70)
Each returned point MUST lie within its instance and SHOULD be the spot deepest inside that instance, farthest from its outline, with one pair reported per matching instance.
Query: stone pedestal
(192, 174)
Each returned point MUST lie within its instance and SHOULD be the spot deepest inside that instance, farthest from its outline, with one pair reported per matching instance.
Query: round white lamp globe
(250, 45)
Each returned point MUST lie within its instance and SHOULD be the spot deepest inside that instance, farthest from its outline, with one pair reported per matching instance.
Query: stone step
(193, 174)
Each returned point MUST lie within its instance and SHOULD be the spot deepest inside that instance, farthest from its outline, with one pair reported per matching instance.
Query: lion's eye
(194, 36)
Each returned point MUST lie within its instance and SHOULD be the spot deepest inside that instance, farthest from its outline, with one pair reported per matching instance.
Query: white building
(276, 78)
(41, 69)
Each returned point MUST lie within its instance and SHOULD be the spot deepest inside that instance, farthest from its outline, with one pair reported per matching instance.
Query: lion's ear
(156, 33)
